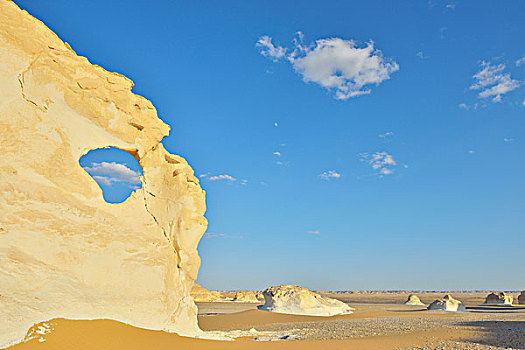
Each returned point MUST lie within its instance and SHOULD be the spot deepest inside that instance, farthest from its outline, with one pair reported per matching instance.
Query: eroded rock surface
(413, 300)
(202, 295)
(447, 303)
(499, 298)
(246, 296)
(288, 299)
(64, 251)
(521, 298)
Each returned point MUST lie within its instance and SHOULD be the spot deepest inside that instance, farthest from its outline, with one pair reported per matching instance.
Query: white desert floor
(379, 322)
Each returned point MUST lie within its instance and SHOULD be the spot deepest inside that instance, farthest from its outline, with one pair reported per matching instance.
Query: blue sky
(399, 128)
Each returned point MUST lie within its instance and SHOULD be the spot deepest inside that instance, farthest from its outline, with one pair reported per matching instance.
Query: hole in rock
(115, 171)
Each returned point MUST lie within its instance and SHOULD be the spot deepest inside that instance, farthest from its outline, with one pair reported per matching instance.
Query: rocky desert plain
(79, 273)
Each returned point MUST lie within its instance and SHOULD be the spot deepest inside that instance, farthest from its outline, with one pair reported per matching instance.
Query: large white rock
(413, 300)
(288, 299)
(499, 298)
(447, 304)
(64, 251)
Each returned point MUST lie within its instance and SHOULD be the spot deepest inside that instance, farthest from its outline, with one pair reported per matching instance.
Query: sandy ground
(382, 322)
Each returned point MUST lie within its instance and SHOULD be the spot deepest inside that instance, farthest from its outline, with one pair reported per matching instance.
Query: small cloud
(263, 183)
(523, 103)
(493, 82)
(275, 124)
(108, 173)
(336, 64)
(386, 135)
(382, 162)
(268, 49)
(471, 151)
(244, 182)
(203, 175)
(209, 235)
(282, 163)
(330, 174)
(222, 177)
(421, 55)
(314, 232)
(464, 107)
(520, 61)
(450, 6)
(508, 139)
(282, 144)
(278, 154)
(442, 32)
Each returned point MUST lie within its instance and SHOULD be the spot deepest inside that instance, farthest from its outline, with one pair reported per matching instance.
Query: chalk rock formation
(288, 299)
(413, 300)
(521, 298)
(499, 298)
(202, 295)
(246, 296)
(64, 251)
(447, 304)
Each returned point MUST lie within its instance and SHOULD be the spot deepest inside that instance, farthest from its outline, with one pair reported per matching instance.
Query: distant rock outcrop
(521, 298)
(246, 296)
(64, 251)
(202, 295)
(288, 299)
(447, 304)
(413, 300)
(499, 298)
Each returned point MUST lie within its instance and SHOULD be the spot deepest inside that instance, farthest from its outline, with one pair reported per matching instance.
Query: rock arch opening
(116, 171)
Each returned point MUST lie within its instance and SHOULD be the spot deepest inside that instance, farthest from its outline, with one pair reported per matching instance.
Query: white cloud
(108, 173)
(493, 82)
(222, 177)
(278, 154)
(334, 63)
(523, 103)
(471, 151)
(386, 135)
(330, 174)
(282, 163)
(314, 232)
(382, 162)
(520, 61)
(464, 106)
(275, 124)
(268, 49)
(220, 235)
(244, 182)
(508, 139)
(421, 55)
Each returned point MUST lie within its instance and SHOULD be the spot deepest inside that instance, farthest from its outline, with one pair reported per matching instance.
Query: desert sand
(381, 324)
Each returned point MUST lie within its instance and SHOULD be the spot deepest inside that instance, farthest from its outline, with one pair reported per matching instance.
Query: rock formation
(288, 299)
(447, 304)
(246, 296)
(499, 298)
(64, 251)
(521, 298)
(202, 295)
(413, 300)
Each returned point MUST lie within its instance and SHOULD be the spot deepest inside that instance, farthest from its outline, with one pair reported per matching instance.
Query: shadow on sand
(505, 334)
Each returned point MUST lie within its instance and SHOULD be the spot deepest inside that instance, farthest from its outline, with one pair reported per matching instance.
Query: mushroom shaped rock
(64, 251)
(413, 300)
(521, 298)
(447, 303)
(289, 299)
(246, 296)
(499, 298)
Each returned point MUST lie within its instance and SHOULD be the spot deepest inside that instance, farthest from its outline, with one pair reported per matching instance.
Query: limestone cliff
(64, 251)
